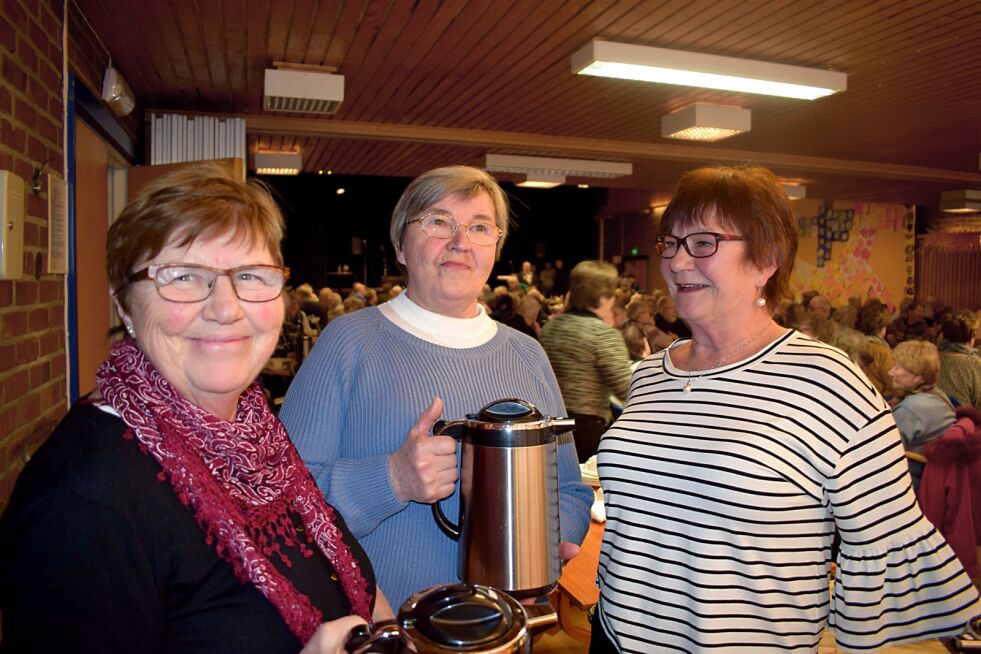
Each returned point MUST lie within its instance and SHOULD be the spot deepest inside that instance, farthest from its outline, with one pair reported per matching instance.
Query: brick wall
(32, 323)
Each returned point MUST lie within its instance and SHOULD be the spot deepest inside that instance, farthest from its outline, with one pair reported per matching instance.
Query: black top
(678, 327)
(98, 555)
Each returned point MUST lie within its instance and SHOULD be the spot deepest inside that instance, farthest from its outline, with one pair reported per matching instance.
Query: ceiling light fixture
(650, 64)
(965, 200)
(278, 163)
(795, 191)
(513, 163)
(302, 89)
(541, 180)
(705, 122)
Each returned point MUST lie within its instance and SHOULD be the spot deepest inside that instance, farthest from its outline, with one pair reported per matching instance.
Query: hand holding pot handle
(424, 467)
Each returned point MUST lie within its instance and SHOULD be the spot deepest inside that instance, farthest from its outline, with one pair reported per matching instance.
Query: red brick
(26, 53)
(8, 419)
(22, 168)
(36, 150)
(13, 137)
(16, 15)
(49, 290)
(58, 369)
(39, 37)
(7, 357)
(39, 374)
(24, 112)
(37, 320)
(50, 342)
(56, 315)
(5, 102)
(25, 292)
(14, 325)
(36, 205)
(27, 351)
(28, 409)
(31, 235)
(49, 130)
(14, 387)
(6, 293)
(6, 161)
(8, 36)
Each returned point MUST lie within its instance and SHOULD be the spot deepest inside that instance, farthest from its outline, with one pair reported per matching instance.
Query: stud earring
(761, 301)
(130, 330)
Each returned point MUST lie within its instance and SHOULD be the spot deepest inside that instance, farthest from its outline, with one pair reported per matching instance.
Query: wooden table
(577, 585)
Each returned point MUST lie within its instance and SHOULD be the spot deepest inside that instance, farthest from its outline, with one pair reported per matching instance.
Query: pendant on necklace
(688, 385)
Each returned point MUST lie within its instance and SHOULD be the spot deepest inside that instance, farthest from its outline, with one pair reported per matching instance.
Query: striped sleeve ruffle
(898, 580)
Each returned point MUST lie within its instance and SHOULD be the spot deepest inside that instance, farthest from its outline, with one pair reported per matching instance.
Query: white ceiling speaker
(302, 91)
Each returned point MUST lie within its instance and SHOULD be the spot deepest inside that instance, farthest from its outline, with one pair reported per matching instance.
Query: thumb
(424, 425)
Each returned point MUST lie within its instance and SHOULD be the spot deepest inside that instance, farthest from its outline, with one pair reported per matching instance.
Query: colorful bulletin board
(855, 248)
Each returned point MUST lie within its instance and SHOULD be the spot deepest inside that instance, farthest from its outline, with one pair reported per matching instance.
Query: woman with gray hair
(588, 355)
(354, 408)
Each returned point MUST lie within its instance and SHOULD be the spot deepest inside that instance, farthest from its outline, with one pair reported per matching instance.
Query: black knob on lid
(510, 410)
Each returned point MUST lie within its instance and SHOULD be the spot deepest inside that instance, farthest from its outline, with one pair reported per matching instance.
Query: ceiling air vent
(302, 91)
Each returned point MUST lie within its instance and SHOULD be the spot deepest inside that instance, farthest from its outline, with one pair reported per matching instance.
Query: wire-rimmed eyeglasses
(440, 225)
(697, 244)
(189, 282)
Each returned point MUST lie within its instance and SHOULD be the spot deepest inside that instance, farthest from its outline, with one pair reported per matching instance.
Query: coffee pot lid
(455, 616)
(509, 410)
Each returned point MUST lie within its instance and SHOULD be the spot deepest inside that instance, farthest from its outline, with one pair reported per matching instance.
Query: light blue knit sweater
(352, 403)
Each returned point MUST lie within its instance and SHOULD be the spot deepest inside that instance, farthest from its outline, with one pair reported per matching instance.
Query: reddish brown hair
(199, 201)
(748, 201)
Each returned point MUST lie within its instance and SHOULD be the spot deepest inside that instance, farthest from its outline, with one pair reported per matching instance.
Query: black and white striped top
(722, 504)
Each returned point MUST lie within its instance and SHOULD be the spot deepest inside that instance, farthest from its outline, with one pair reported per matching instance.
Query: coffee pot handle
(446, 526)
(562, 425)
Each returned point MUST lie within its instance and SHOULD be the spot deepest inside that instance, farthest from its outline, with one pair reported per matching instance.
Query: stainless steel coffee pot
(456, 618)
(508, 528)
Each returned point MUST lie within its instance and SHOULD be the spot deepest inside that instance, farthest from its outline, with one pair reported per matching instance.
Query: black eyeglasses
(188, 282)
(697, 244)
(440, 225)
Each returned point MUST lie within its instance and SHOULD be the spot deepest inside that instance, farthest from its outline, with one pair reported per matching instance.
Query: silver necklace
(739, 347)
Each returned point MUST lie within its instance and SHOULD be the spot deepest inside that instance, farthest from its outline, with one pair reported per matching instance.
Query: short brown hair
(200, 201)
(920, 358)
(959, 327)
(590, 281)
(748, 200)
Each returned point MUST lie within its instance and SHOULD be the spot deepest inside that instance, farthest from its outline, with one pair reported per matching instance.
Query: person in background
(743, 450)
(872, 321)
(528, 311)
(638, 347)
(546, 279)
(561, 286)
(168, 511)
(924, 412)
(311, 306)
(820, 306)
(667, 319)
(587, 354)
(362, 407)
(960, 365)
(527, 277)
(910, 325)
(639, 312)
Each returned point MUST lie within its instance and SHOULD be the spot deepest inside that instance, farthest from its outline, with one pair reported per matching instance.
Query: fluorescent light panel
(540, 180)
(705, 122)
(664, 66)
(795, 191)
(513, 163)
(278, 163)
(965, 200)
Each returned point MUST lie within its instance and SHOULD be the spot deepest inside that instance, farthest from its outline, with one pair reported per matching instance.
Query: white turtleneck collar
(436, 328)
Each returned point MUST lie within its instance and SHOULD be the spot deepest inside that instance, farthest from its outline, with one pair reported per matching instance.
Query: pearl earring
(761, 302)
(130, 331)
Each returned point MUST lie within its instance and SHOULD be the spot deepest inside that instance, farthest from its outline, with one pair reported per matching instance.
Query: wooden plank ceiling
(433, 82)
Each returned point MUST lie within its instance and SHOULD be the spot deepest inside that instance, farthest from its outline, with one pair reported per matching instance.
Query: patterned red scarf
(240, 478)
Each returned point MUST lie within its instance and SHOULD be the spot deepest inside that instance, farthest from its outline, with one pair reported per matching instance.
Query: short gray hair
(430, 187)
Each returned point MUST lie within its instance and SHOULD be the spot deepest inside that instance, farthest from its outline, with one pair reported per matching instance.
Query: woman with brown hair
(169, 511)
(743, 450)
(587, 353)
